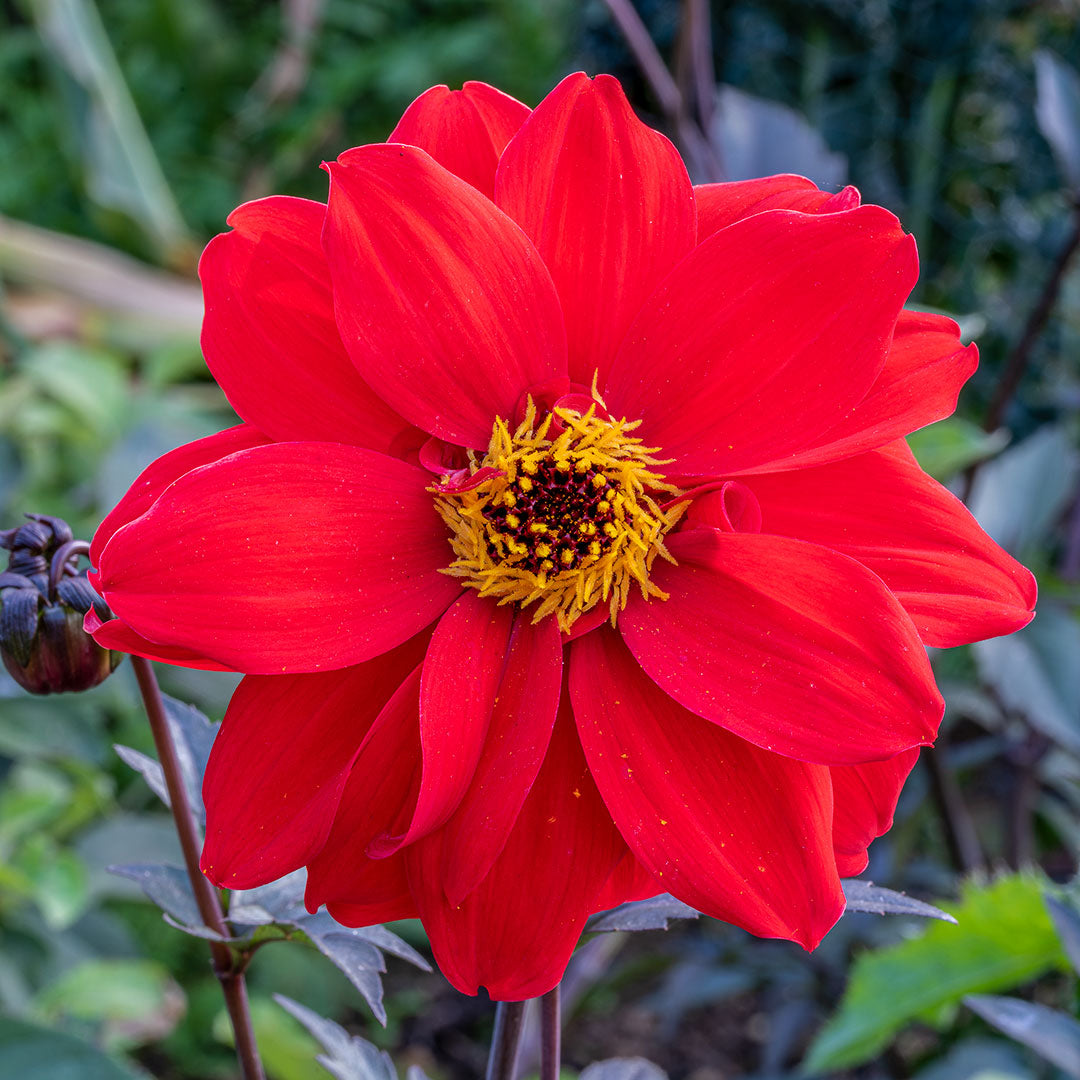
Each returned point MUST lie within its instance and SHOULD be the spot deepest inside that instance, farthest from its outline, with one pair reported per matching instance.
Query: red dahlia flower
(570, 544)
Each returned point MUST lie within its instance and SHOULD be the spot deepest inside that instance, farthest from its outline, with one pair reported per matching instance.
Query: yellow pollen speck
(567, 521)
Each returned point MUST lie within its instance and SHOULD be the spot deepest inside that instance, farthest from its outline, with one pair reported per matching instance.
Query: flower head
(569, 544)
(42, 603)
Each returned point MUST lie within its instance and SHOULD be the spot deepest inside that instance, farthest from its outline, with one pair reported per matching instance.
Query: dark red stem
(550, 1035)
(505, 1039)
(231, 978)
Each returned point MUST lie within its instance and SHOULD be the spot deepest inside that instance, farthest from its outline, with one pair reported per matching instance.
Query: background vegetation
(129, 130)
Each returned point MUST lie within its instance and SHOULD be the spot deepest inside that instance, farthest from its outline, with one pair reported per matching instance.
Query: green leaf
(1035, 672)
(122, 171)
(1057, 110)
(135, 999)
(1051, 1034)
(1004, 938)
(945, 448)
(288, 1052)
(346, 1057)
(59, 880)
(28, 1050)
(1019, 496)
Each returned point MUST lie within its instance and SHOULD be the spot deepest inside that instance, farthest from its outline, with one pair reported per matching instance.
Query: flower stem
(502, 1061)
(550, 1034)
(231, 978)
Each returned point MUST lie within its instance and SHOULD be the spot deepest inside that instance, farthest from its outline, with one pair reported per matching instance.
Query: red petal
(280, 762)
(734, 831)
(379, 796)
(923, 373)
(956, 584)
(381, 891)
(115, 634)
(720, 205)
(443, 304)
(288, 557)
(776, 327)
(629, 881)
(851, 865)
(792, 646)
(464, 130)
(158, 475)
(269, 335)
(864, 801)
(608, 204)
(521, 723)
(515, 932)
(462, 670)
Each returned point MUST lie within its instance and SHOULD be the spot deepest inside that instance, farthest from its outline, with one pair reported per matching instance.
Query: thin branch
(695, 145)
(699, 31)
(956, 821)
(505, 1039)
(206, 897)
(1020, 357)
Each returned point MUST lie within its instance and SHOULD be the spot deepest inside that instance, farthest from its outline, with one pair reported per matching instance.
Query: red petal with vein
(269, 335)
(158, 475)
(383, 886)
(791, 646)
(462, 670)
(764, 337)
(851, 865)
(629, 881)
(720, 205)
(379, 796)
(441, 300)
(283, 558)
(280, 761)
(515, 932)
(116, 634)
(956, 584)
(735, 831)
(923, 373)
(517, 739)
(864, 801)
(464, 130)
(608, 204)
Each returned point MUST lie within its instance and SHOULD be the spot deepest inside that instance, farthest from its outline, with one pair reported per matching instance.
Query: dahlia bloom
(570, 545)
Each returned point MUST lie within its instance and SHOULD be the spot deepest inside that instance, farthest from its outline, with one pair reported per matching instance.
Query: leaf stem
(505, 1039)
(229, 975)
(550, 1034)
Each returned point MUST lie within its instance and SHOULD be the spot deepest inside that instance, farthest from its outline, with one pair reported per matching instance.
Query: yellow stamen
(570, 521)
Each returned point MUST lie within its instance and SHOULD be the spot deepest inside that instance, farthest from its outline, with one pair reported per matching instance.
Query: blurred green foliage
(139, 124)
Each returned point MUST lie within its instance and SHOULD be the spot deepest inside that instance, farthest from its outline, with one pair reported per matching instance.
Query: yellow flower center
(568, 521)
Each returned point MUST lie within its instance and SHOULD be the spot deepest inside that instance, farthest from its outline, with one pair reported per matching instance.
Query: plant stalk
(231, 978)
(550, 1034)
(505, 1039)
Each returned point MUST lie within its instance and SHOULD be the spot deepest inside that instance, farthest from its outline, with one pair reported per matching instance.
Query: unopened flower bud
(43, 599)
